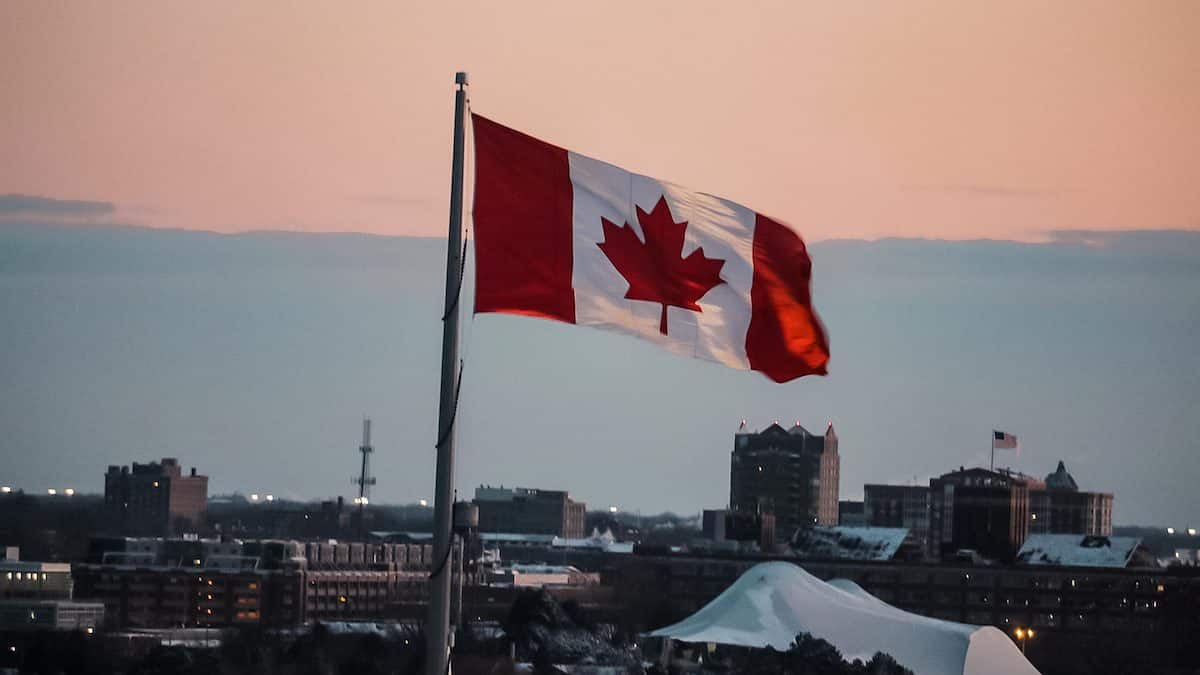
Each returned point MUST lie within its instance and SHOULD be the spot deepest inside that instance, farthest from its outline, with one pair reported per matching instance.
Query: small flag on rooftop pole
(1003, 441)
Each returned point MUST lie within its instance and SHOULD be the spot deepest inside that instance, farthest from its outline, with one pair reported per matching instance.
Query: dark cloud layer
(31, 205)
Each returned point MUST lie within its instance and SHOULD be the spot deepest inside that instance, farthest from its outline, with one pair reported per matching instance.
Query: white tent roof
(773, 602)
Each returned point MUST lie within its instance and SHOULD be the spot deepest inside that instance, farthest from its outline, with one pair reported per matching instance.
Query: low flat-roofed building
(536, 576)
(50, 615)
(34, 580)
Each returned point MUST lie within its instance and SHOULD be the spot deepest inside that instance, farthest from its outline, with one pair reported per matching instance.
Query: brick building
(156, 583)
(1060, 507)
(529, 511)
(789, 473)
(155, 498)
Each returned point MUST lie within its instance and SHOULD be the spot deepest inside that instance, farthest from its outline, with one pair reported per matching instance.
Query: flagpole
(437, 628)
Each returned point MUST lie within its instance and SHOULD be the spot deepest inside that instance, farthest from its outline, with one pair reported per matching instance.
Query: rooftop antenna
(365, 480)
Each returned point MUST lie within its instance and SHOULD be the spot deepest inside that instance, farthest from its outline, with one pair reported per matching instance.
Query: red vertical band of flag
(786, 339)
(524, 256)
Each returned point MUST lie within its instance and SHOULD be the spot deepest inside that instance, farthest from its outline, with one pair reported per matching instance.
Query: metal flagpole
(993, 467)
(437, 628)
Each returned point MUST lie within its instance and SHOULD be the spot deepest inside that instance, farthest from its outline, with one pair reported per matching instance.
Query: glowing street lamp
(270, 498)
(1170, 530)
(254, 497)
(612, 509)
(1191, 531)
(1023, 634)
(51, 491)
(6, 489)
(424, 502)
(70, 492)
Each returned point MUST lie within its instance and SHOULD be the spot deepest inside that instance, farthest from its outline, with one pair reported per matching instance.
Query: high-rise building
(789, 473)
(1061, 508)
(979, 510)
(529, 511)
(904, 506)
(155, 498)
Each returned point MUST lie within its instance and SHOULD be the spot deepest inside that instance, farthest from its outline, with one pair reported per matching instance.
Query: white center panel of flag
(724, 230)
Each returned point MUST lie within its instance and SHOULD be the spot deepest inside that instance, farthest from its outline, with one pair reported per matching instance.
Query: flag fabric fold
(565, 237)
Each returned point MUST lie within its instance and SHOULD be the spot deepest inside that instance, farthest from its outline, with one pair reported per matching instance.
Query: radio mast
(365, 480)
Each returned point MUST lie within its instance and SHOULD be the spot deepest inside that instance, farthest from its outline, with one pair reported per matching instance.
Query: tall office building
(789, 473)
(155, 498)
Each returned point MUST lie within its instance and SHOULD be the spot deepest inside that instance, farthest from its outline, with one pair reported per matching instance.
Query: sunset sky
(862, 120)
(1048, 123)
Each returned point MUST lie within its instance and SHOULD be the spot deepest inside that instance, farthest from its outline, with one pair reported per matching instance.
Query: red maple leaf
(656, 270)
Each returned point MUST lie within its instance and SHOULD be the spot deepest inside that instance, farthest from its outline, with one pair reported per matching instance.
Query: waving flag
(565, 237)
(1003, 441)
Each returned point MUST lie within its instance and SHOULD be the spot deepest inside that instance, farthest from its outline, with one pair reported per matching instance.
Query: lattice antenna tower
(365, 480)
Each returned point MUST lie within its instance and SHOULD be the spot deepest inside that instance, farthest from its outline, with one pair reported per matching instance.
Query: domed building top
(1061, 479)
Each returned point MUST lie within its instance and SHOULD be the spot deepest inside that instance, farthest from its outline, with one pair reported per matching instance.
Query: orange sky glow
(865, 120)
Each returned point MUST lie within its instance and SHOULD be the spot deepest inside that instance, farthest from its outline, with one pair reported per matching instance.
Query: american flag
(1003, 441)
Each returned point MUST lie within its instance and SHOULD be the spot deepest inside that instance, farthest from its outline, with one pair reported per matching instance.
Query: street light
(270, 498)
(254, 497)
(70, 492)
(51, 491)
(1170, 530)
(424, 502)
(1023, 634)
(6, 489)
(612, 509)
(1191, 531)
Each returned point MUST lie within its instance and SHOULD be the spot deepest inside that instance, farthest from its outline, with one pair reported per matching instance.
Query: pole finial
(460, 78)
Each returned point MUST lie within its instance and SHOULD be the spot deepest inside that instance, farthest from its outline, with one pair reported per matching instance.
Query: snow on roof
(383, 629)
(773, 602)
(604, 542)
(1077, 550)
(515, 538)
(848, 543)
(523, 568)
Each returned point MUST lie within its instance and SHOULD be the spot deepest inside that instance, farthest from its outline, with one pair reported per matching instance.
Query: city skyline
(255, 357)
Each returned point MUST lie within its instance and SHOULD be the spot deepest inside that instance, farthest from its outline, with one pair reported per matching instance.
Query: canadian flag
(566, 237)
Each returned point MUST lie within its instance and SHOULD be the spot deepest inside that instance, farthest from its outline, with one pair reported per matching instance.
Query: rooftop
(849, 543)
(1078, 550)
